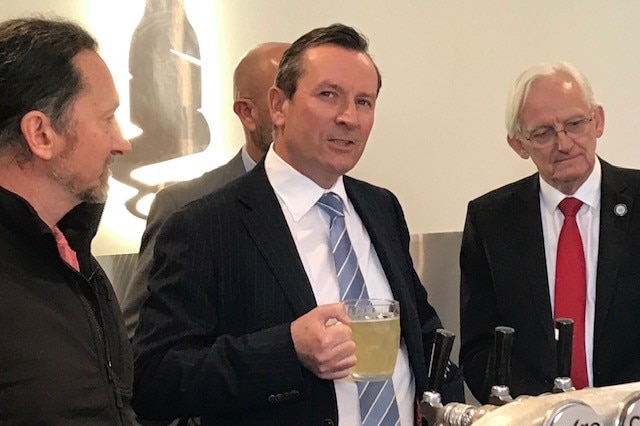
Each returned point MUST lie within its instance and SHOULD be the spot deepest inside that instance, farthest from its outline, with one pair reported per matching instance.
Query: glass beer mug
(375, 324)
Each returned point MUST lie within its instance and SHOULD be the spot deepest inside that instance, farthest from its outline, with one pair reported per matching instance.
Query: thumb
(333, 311)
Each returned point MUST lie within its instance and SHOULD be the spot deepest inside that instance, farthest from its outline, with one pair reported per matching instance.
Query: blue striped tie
(377, 399)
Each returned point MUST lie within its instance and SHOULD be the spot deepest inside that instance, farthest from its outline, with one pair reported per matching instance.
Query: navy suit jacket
(504, 282)
(227, 281)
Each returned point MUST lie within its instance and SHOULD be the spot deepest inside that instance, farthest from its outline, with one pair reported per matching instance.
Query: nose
(348, 115)
(125, 146)
(120, 144)
(564, 141)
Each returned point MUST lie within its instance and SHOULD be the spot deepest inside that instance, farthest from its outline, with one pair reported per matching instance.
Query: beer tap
(564, 340)
(503, 345)
(431, 405)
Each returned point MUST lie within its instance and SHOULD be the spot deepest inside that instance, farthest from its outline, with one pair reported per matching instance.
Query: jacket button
(328, 422)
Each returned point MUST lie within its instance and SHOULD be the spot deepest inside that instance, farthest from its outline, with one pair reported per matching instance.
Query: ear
(277, 105)
(245, 110)
(518, 147)
(598, 116)
(39, 134)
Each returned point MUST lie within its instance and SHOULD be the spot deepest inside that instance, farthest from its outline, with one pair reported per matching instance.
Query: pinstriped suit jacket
(226, 283)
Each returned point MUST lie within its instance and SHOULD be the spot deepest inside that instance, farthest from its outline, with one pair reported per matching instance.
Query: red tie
(66, 252)
(571, 287)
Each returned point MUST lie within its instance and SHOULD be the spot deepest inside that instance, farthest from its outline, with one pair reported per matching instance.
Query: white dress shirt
(309, 226)
(588, 218)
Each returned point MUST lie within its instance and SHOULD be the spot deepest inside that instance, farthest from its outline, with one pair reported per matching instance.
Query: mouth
(341, 142)
(563, 160)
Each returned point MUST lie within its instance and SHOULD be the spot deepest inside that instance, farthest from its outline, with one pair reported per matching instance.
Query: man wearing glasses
(557, 244)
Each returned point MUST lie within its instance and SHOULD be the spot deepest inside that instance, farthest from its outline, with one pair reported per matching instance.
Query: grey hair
(520, 90)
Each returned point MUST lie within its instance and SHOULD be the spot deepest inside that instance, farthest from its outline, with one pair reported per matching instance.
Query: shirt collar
(298, 193)
(247, 161)
(588, 193)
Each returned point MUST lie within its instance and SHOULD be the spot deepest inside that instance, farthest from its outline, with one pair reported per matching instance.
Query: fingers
(335, 375)
(345, 359)
(333, 311)
(326, 350)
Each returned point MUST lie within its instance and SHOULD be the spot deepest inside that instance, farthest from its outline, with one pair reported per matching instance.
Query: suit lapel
(379, 228)
(526, 225)
(262, 216)
(613, 236)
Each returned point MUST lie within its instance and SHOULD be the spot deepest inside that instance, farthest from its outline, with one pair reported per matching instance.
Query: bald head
(257, 69)
(252, 78)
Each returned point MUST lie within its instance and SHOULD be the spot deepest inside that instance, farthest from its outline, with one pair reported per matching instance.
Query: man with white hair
(556, 244)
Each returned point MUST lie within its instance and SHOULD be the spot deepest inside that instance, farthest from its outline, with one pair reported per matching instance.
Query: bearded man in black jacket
(64, 353)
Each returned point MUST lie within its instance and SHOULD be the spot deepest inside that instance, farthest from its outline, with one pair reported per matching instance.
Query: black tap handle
(564, 341)
(442, 345)
(502, 361)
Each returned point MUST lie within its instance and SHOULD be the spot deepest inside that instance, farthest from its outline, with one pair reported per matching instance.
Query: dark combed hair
(291, 64)
(37, 73)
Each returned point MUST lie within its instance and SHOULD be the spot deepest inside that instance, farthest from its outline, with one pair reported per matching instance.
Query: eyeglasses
(574, 128)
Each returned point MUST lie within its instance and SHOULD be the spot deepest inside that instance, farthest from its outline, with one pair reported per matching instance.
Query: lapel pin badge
(620, 209)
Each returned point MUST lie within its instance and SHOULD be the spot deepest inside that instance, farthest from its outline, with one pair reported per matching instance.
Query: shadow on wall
(165, 92)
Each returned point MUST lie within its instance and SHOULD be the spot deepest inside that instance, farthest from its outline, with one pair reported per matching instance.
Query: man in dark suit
(517, 238)
(242, 325)
(252, 78)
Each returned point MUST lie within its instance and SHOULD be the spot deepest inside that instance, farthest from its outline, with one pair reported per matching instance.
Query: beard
(98, 193)
(69, 180)
(262, 137)
(59, 171)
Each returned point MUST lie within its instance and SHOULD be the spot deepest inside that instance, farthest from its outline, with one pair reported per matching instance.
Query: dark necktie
(378, 404)
(571, 287)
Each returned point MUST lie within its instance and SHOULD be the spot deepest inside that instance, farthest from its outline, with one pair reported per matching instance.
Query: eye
(328, 94)
(542, 133)
(573, 125)
(365, 102)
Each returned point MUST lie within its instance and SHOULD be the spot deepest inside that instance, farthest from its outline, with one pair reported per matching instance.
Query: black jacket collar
(79, 225)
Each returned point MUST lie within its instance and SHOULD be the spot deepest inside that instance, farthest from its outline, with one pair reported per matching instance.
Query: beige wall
(438, 140)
